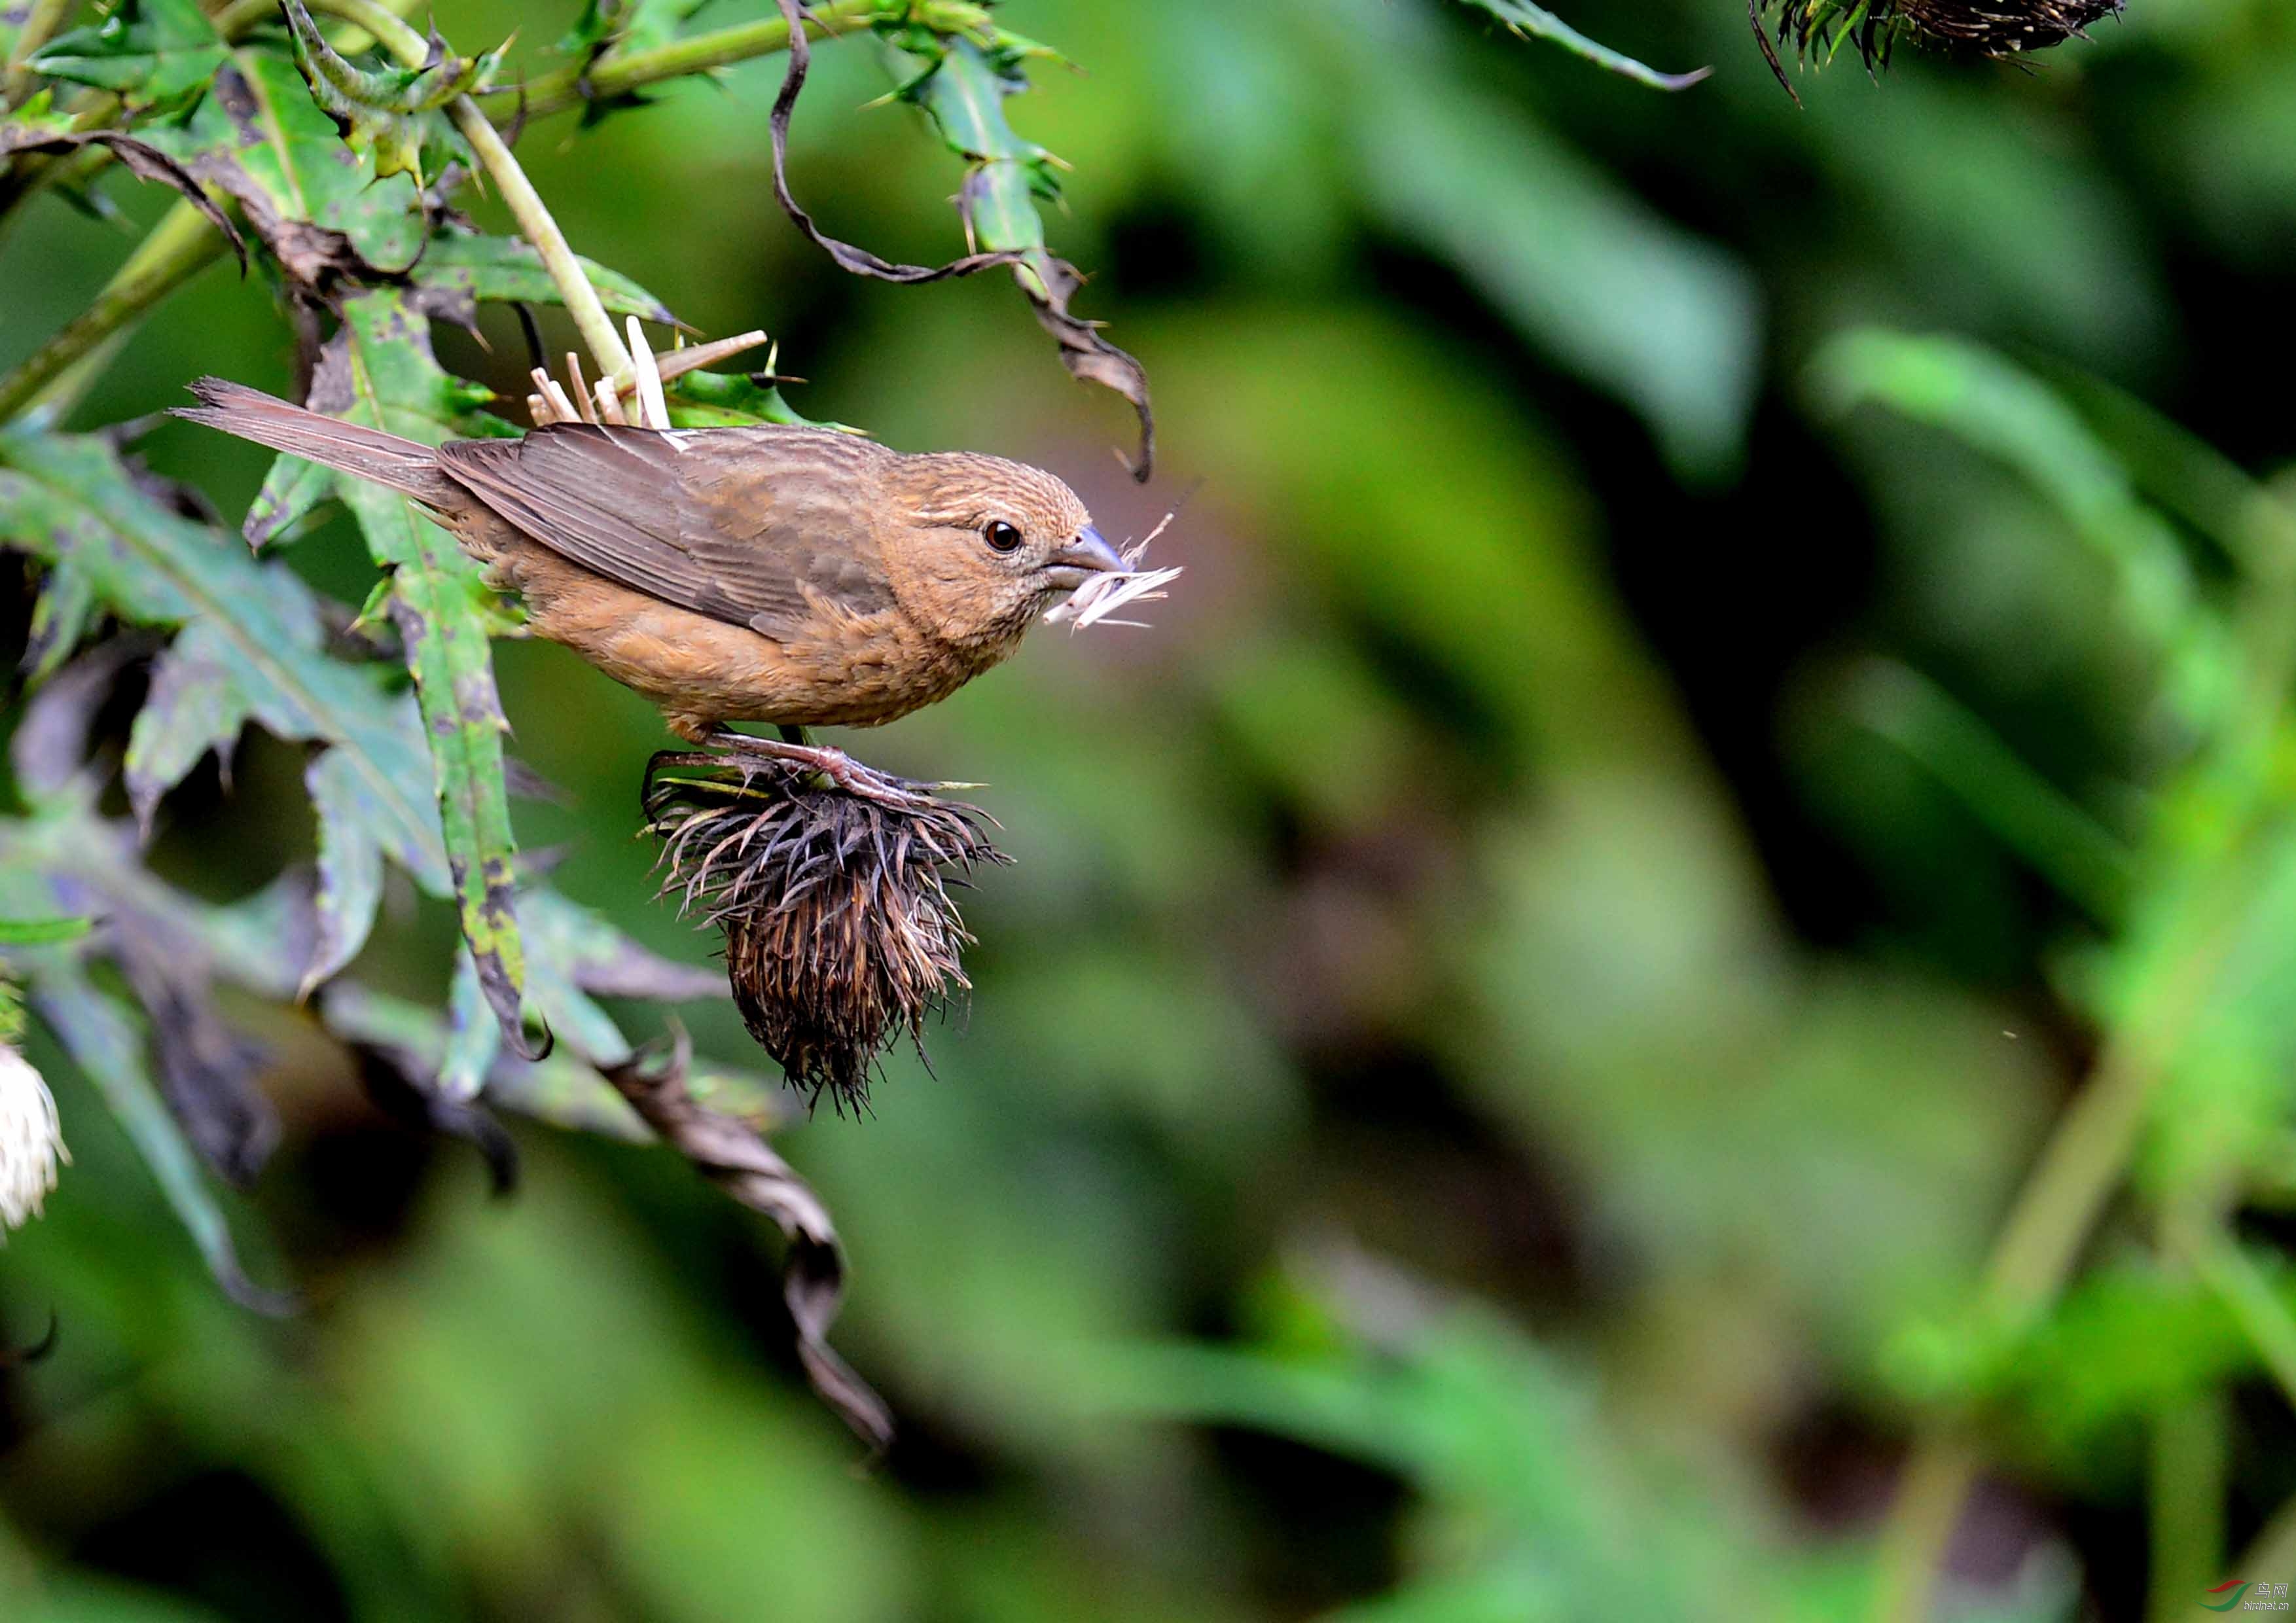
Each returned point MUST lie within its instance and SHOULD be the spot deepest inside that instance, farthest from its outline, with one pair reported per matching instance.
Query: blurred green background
(1526, 994)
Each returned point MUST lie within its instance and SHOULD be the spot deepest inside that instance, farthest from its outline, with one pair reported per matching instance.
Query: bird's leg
(863, 782)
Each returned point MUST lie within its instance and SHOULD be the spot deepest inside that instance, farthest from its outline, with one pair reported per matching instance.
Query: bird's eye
(1001, 536)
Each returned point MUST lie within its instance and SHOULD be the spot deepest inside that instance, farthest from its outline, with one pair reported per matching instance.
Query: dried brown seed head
(840, 934)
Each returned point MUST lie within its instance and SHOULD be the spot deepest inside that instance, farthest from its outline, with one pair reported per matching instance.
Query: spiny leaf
(963, 90)
(322, 210)
(395, 112)
(379, 370)
(252, 649)
(148, 51)
(1048, 282)
(471, 269)
(1536, 21)
(619, 28)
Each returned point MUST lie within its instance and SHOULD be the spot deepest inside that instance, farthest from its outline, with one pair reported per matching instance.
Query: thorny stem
(571, 87)
(181, 245)
(524, 203)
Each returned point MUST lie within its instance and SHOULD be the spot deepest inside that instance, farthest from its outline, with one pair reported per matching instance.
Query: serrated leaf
(147, 51)
(106, 1038)
(962, 91)
(394, 112)
(1521, 17)
(509, 269)
(355, 836)
(325, 214)
(253, 646)
(194, 707)
(379, 370)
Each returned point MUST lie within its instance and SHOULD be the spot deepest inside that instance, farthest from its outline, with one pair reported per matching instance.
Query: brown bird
(787, 575)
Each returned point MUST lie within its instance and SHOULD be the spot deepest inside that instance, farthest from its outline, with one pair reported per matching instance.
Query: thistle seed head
(1815, 29)
(840, 934)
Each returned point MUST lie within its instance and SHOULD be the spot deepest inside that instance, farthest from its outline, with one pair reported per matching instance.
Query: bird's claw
(855, 778)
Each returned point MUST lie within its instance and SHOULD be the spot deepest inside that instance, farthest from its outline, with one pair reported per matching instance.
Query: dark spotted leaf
(252, 648)
(146, 53)
(379, 370)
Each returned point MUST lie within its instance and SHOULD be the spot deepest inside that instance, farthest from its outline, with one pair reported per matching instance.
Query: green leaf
(625, 26)
(721, 400)
(509, 269)
(252, 648)
(106, 1039)
(379, 370)
(320, 207)
(1536, 23)
(40, 933)
(147, 51)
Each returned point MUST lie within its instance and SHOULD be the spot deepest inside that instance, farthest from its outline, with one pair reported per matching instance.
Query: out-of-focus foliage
(1709, 708)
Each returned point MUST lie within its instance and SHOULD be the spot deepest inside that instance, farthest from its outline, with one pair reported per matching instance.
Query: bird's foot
(855, 778)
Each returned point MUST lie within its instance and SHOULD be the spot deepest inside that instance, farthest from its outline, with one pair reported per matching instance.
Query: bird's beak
(1080, 560)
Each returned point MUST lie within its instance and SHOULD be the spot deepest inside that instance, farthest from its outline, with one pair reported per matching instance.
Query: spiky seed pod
(1815, 29)
(840, 934)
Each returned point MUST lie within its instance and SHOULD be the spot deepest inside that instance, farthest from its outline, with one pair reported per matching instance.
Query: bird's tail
(403, 464)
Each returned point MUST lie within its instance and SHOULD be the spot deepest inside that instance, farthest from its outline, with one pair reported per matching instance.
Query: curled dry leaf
(731, 1154)
(141, 159)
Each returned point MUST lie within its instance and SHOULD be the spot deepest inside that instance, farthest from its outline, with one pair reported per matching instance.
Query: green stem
(524, 203)
(181, 245)
(2081, 1166)
(572, 86)
(2187, 1496)
(40, 26)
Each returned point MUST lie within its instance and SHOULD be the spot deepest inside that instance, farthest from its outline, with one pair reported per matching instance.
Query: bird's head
(984, 545)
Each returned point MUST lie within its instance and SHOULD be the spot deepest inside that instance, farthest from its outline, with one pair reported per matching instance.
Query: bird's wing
(755, 527)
